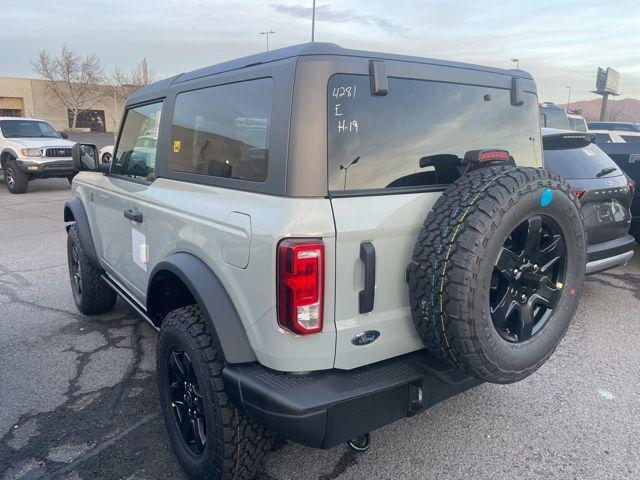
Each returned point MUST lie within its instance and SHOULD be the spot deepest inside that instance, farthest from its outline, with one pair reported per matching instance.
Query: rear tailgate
(381, 191)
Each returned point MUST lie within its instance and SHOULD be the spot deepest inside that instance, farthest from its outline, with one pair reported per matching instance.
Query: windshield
(553, 118)
(574, 163)
(27, 129)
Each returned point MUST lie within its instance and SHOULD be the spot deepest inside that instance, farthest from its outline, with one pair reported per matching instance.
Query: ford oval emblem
(365, 338)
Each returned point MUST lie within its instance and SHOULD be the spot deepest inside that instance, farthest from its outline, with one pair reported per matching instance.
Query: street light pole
(517, 62)
(313, 22)
(569, 98)
(270, 32)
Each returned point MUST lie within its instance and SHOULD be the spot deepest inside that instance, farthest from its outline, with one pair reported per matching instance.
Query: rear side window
(223, 131)
(377, 142)
(631, 138)
(575, 163)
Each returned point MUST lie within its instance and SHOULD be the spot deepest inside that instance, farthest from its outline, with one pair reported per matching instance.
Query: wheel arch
(5, 155)
(74, 212)
(183, 279)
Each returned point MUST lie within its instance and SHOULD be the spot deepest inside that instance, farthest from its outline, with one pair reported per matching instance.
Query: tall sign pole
(606, 84)
(313, 22)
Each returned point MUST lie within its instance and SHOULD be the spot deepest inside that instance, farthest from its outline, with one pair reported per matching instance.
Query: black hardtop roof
(157, 89)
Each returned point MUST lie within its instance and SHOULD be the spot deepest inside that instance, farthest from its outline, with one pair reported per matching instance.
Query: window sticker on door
(139, 249)
(176, 146)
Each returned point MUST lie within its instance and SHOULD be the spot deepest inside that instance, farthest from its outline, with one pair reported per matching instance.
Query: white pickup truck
(31, 149)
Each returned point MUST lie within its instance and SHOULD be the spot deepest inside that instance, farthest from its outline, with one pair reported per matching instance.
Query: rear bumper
(324, 409)
(605, 255)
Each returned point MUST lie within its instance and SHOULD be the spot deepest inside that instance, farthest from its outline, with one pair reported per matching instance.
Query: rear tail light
(300, 280)
(579, 193)
(632, 187)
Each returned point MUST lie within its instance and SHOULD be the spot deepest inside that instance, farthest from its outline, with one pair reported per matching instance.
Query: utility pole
(145, 72)
(569, 98)
(517, 62)
(313, 22)
(270, 32)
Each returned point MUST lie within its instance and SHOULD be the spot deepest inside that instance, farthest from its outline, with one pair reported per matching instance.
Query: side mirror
(64, 135)
(85, 156)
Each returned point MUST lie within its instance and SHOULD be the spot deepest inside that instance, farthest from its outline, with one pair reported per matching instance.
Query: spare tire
(497, 271)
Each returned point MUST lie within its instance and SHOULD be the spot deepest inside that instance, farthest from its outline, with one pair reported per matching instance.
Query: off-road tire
(235, 444)
(94, 296)
(20, 180)
(454, 257)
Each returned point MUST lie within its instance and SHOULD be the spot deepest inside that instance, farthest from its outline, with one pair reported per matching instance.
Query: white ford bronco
(30, 149)
(328, 241)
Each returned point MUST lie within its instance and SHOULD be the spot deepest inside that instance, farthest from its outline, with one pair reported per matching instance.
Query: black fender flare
(226, 328)
(74, 212)
(10, 152)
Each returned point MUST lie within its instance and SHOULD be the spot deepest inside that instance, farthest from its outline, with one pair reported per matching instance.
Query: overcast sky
(561, 42)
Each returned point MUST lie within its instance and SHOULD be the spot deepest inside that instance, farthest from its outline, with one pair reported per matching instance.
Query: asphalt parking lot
(78, 396)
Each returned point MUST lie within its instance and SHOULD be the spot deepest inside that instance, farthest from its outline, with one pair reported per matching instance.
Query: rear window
(575, 163)
(223, 131)
(376, 142)
(631, 138)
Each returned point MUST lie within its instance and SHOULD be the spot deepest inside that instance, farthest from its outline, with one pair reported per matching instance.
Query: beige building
(27, 97)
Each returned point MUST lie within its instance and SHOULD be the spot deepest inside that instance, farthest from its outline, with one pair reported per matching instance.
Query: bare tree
(126, 82)
(123, 84)
(74, 80)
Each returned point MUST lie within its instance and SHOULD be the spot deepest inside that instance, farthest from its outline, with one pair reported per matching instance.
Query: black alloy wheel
(75, 272)
(528, 277)
(187, 401)
(10, 178)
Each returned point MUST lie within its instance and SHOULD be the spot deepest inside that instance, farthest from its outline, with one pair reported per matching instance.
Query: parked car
(615, 126)
(605, 194)
(106, 153)
(30, 149)
(624, 149)
(323, 260)
(577, 123)
(553, 116)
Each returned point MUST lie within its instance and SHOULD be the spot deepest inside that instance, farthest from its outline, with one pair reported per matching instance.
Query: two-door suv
(327, 240)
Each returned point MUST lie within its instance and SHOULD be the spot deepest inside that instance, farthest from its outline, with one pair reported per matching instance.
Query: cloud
(326, 13)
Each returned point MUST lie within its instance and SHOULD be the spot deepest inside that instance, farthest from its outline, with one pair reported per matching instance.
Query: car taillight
(632, 187)
(579, 193)
(300, 280)
(488, 155)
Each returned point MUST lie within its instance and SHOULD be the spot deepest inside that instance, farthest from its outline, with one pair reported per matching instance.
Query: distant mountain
(624, 110)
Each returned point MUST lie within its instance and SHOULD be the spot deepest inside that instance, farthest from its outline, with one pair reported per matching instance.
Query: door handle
(367, 296)
(133, 216)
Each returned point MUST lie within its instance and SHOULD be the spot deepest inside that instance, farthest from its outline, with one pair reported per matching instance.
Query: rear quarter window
(223, 131)
(376, 142)
(574, 163)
